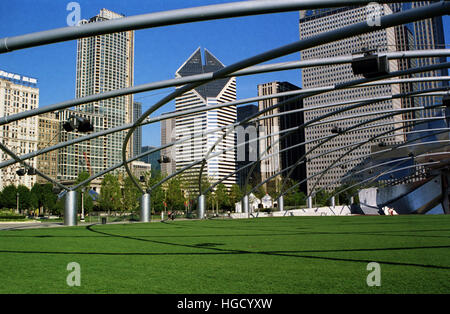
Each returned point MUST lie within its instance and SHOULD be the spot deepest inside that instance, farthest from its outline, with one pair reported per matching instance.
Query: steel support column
(145, 208)
(201, 208)
(70, 209)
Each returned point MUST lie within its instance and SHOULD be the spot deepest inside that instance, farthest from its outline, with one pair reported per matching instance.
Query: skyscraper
(152, 158)
(426, 34)
(249, 152)
(285, 149)
(106, 63)
(219, 91)
(168, 136)
(137, 134)
(312, 23)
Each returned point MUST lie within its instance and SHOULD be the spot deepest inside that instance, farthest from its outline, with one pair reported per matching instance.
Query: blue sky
(158, 52)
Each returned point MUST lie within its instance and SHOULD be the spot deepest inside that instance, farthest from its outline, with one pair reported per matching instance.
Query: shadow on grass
(213, 250)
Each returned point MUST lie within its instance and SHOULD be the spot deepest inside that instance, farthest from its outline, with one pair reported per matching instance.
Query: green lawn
(266, 255)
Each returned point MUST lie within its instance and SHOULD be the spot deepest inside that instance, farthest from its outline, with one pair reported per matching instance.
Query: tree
(221, 196)
(157, 194)
(235, 194)
(130, 194)
(260, 192)
(9, 196)
(345, 197)
(110, 194)
(43, 198)
(24, 197)
(295, 198)
(323, 198)
(174, 194)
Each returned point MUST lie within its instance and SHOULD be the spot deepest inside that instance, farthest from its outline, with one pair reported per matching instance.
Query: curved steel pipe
(345, 32)
(318, 119)
(312, 141)
(361, 143)
(166, 18)
(205, 77)
(402, 145)
(317, 174)
(13, 155)
(391, 171)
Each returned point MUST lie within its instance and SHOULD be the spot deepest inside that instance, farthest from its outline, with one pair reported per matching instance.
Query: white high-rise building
(220, 91)
(18, 93)
(314, 22)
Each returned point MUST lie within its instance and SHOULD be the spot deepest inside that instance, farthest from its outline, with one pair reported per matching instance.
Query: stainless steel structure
(245, 67)
(70, 209)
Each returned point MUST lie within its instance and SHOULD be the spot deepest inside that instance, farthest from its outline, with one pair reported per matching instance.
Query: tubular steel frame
(245, 67)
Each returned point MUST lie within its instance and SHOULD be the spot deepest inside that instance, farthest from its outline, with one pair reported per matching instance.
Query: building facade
(152, 159)
(284, 148)
(427, 34)
(106, 63)
(321, 158)
(168, 136)
(248, 152)
(137, 134)
(47, 163)
(18, 93)
(217, 92)
(86, 156)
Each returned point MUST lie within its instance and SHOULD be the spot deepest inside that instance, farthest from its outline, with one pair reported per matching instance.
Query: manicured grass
(266, 255)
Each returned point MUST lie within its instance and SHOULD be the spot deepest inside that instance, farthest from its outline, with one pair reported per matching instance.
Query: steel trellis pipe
(371, 154)
(391, 171)
(351, 160)
(343, 179)
(368, 141)
(349, 31)
(317, 120)
(165, 18)
(12, 154)
(204, 77)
